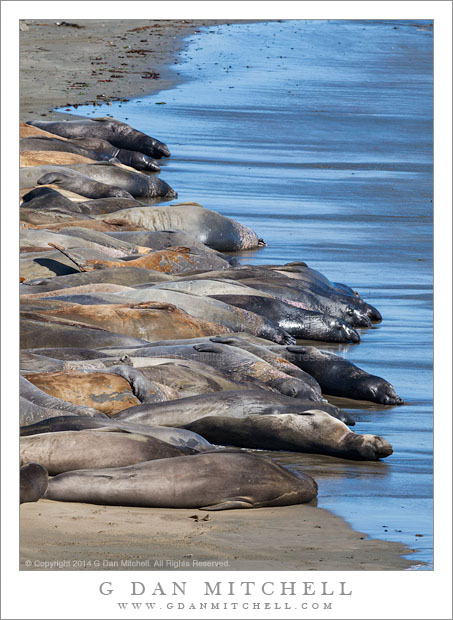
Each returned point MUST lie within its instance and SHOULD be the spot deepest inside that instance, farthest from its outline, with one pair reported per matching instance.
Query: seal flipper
(230, 503)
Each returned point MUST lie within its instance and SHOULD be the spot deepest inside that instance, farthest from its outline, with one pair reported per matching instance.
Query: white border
(375, 594)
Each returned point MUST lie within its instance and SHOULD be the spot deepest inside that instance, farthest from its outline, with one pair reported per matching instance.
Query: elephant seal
(302, 324)
(68, 179)
(33, 482)
(103, 391)
(93, 148)
(233, 403)
(237, 363)
(210, 481)
(92, 449)
(35, 405)
(232, 318)
(161, 239)
(214, 230)
(136, 183)
(146, 320)
(128, 276)
(302, 271)
(181, 438)
(50, 199)
(173, 260)
(339, 377)
(313, 431)
(117, 133)
(37, 330)
(45, 158)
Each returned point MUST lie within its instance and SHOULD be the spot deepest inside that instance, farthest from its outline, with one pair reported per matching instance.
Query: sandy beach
(102, 61)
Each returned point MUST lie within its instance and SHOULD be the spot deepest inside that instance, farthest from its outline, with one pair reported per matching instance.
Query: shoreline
(98, 62)
(304, 533)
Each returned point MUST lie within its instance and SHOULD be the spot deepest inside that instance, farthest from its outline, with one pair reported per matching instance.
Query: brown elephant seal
(143, 320)
(210, 481)
(339, 377)
(179, 437)
(33, 482)
(117, 133)
(102, 391)
(314, 431)
(36, 405)
(92, 449)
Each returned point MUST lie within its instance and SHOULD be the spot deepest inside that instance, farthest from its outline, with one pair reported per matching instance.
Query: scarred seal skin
(117, 133)
(313, 431)
(210, 481)
(33, 482)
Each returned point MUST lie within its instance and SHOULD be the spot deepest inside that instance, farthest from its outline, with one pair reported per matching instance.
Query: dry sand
(63, 65)
(299, 537)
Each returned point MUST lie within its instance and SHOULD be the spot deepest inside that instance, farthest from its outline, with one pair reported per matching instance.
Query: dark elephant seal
(137, 184)
(185, 440)
(92, 449)
(233, 403)
(68, 179)
(339, 377)
(302, 324)
(93, 148)
(210, 481)
(314, 431)
(117, 133)
(33, 482)
(50, 199)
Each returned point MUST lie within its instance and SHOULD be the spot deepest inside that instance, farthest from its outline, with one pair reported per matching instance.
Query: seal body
(339, 377)
(214, 481)
(92, 449)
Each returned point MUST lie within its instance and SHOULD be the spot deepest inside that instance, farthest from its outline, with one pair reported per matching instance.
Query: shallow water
(318, 134)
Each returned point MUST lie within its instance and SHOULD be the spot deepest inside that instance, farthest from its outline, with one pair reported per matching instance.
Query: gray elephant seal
(339, 377)
(117, 133)
(237, 363)
(92, 449)
(214, 230)
(210, 481)
(232, 403)
(33, 482)
(185, 440)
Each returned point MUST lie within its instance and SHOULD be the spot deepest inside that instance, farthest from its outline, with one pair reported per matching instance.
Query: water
(318, 134)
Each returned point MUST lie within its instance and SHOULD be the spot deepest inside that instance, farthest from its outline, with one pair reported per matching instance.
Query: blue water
(318, 134)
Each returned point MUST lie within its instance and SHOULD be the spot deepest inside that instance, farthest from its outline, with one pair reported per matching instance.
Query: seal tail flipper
(34, 480)
(230, 503)
(80, 266)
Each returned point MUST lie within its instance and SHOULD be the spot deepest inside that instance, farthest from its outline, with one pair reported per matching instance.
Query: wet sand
(53, 60)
